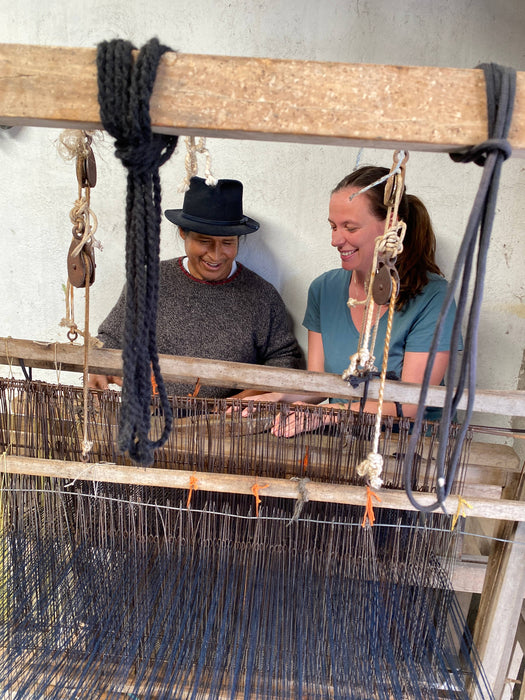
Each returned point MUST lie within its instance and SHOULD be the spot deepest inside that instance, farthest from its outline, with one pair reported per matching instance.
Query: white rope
(191, 163)
(394, 171)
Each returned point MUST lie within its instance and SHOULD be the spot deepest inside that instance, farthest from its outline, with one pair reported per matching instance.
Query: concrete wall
(286, 185)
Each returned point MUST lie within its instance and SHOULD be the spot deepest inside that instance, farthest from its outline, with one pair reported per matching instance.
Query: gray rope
(501, 89)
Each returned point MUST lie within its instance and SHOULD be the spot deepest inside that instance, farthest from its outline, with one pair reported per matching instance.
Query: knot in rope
(361, 361)
(302, 498)
(500, 84)
(124, 91)
(371, 469)
(390, 245)
(479, 154)
(192, 166)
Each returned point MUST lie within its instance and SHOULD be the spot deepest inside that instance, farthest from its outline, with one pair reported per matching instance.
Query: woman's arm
(414, 364)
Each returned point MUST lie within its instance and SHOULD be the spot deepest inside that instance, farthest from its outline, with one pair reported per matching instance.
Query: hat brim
(176, 216)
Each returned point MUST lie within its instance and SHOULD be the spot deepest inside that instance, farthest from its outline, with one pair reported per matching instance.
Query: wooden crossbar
(496, 509)
(419, 108)
(68, 357)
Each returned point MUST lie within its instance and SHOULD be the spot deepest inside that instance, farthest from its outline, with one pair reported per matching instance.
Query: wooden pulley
(81, 266)
(87, 168)
(382, 285)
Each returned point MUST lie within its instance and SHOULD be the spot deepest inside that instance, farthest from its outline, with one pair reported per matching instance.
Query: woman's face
(354, 229)
(210, 258)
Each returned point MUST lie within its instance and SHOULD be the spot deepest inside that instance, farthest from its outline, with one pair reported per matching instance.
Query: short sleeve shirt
(413, 327)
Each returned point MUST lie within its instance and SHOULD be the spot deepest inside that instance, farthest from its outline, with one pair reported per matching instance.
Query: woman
(356, 219)
(211, 306)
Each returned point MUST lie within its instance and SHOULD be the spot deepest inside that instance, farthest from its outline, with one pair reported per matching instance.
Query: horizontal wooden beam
(411, 107)
(236, 375)
(498, 509)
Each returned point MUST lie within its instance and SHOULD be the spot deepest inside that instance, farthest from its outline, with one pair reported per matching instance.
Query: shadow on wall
(255, 252)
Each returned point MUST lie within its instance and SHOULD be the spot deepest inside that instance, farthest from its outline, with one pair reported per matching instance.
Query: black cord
(501, 89)
(124, 92)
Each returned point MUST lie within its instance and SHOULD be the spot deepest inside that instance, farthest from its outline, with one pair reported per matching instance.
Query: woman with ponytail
(356, 219)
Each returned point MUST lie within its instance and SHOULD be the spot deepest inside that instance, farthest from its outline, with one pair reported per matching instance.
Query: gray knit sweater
(240, 319)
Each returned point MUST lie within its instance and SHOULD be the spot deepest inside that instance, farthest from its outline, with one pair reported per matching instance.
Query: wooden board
(419, 108)
(68, 357)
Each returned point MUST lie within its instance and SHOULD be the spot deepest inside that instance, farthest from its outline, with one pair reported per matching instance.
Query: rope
(372, 466)
(501, 89)
(125, 88)
(192, 167)
(387, 247)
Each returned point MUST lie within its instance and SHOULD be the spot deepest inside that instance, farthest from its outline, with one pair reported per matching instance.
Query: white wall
(286, 185)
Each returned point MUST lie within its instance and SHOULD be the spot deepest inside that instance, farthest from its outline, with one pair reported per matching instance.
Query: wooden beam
(498, 509)
(68, 357)
(502, 599)
(419, 108)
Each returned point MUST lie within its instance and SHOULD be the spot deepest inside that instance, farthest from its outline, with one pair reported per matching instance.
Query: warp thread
(124, 91)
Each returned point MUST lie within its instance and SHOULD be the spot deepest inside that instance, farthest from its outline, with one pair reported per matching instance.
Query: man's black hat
(213, 210)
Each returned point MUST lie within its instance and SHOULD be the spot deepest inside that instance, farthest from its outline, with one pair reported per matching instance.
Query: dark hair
(419, 245)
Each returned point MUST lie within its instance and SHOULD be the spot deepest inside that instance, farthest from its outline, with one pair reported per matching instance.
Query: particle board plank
(414, 107)
(69, 357)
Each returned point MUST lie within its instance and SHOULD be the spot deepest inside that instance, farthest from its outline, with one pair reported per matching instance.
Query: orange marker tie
(306, 459)
(154, 387)
(193, 487)
(369, 510)
(195, 392)
(255, 490)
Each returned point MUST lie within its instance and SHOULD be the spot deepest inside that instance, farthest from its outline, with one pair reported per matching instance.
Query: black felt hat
(213, 210)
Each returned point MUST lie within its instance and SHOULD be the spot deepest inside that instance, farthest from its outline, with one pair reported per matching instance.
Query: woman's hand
(300, 421)
(102, 381)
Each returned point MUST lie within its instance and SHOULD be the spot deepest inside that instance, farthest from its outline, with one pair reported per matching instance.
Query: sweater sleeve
(280, 348)
(111, 330)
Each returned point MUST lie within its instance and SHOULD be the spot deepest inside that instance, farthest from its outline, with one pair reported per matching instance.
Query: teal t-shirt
(412, 328)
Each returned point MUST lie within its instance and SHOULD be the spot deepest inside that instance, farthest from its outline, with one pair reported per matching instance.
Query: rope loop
(500, 85)
(125, 87)
(479, 154)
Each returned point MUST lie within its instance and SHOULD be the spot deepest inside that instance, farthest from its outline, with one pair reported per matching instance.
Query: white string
(183, 510)
(400, 157)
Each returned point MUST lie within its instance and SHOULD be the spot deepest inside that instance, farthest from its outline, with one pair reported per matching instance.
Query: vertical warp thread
(124, 92)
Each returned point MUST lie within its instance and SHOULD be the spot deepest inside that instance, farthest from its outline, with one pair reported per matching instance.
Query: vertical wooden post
(501, 601)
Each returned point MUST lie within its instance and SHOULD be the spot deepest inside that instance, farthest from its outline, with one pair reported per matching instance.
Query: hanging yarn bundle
(124, 91)
(500, 85)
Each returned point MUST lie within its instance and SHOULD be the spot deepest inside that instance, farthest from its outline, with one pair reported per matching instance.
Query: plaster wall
(287, 186)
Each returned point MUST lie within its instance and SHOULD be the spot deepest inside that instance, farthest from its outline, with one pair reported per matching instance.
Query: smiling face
(210, 258)
(354, 229)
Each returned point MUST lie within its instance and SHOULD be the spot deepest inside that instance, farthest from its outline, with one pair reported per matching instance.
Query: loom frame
(437, 109)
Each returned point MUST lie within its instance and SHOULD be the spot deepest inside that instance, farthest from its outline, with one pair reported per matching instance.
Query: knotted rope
(500, 85)
(192, 166)
(125, 89)
(387, 248)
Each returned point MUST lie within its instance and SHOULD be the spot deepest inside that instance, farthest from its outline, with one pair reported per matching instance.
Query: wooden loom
(282, 109)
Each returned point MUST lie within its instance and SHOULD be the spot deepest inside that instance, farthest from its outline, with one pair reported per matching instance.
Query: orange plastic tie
(154, 387)
(306, 458)
(369, 510)
(193, 487)
(255, 490)
(195, 392)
